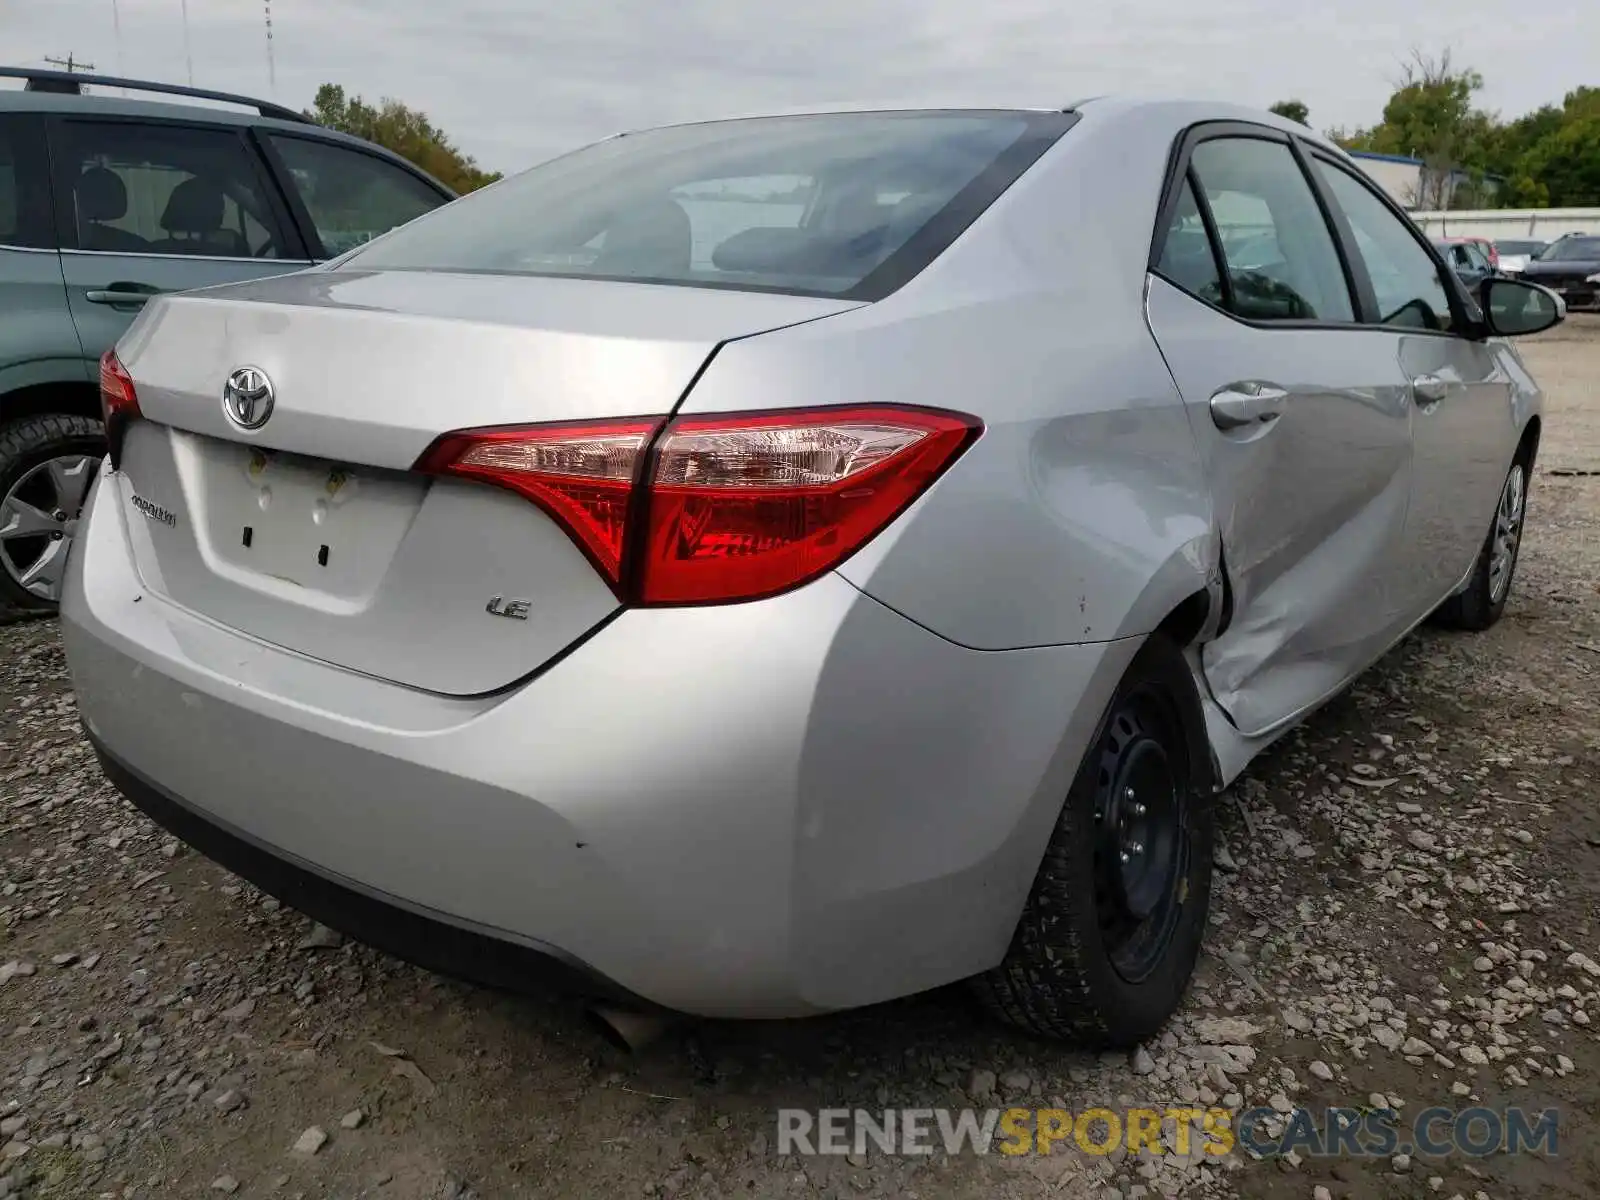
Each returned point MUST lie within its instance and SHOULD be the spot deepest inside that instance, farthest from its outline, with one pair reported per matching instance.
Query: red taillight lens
(119, 403)
(582, 475)
(747, 506)
(737, 506)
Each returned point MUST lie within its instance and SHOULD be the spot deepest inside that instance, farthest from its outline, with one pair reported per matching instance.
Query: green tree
(404, 130)
(1431, 116)
(1564, 155)
(1293, 110)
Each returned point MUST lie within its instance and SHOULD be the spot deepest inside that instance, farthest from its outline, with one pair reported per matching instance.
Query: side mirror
(1516, 307)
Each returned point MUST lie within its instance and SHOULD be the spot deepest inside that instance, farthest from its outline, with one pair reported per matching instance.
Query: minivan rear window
(847, 205)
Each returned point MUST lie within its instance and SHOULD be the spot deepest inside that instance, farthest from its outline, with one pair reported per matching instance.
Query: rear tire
(1484, 600)
(47, 463)
(1106, 944)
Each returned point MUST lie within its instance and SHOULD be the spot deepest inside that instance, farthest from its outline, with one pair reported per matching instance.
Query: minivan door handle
(1429, 389)
(1242, 405)
(119, 294)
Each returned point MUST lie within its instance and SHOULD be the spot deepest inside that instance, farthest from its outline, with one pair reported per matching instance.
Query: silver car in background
(764, 567)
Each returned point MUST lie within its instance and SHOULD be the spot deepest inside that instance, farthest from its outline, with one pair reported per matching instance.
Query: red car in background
(1483, 243)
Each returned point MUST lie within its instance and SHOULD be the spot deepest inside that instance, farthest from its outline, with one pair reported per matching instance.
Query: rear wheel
(46, 466)
(1480, 605)
(1109, 936)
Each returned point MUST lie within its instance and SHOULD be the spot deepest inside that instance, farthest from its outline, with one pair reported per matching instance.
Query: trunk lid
(311, 532)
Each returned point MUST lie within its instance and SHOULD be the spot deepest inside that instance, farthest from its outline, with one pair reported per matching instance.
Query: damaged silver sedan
(765, 567)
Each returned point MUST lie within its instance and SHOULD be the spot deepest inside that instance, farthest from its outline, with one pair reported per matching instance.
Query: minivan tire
(25, 444)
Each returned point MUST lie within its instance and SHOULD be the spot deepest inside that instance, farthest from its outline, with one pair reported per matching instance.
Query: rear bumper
(386, 922)
(770, 809)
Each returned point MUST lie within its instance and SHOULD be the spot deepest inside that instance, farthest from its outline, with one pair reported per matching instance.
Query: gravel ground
(1409, 920)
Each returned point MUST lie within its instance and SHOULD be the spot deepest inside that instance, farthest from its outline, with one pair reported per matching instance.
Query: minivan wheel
(1110, 933)
(47, 464)
(1484, 600)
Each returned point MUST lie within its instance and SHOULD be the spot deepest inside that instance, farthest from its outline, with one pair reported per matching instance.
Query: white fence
(1542, 223)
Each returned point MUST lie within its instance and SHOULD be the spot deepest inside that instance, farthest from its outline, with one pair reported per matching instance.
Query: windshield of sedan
(1575, 249)
(847, 205)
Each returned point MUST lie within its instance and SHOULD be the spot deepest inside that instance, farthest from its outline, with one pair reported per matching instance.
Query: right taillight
(735, 507)
(119, 403)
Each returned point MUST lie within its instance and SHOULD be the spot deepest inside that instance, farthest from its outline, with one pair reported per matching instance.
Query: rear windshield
(846, 205)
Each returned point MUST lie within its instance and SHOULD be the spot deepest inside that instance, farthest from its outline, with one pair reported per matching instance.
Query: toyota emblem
(248, 398)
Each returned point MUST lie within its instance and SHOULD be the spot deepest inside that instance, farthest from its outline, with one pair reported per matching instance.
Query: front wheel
(1109, 936)
(47, 463)
(1480, 605)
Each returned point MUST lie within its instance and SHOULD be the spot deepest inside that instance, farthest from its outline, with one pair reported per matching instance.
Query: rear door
(1464, 432)
(144, 207)
(1300, 415)
(346, 196)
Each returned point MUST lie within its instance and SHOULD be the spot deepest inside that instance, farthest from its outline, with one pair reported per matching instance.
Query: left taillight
(119, 402)
(717, 509)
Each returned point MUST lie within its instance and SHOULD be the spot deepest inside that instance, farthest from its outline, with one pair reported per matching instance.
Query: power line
(188, 52)
(272, 69)
(116, 26)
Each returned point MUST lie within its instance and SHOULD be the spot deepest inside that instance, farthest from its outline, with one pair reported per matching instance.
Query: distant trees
(404, 130)
(1549, 157)
(1293, 110)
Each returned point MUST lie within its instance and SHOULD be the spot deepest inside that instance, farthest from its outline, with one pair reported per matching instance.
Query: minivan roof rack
(71, 83)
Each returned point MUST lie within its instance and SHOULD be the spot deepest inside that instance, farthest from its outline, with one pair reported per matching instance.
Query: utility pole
(69, 63)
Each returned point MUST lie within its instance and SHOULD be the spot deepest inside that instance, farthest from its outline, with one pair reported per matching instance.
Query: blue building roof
(1399, 158)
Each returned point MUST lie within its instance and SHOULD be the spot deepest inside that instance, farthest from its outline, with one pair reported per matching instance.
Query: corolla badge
(248, 397)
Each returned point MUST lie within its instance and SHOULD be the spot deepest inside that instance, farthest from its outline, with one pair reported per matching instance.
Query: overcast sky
(515, 81)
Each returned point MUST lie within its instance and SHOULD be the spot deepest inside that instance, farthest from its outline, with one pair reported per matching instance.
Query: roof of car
(189, 110)
(104, 104)
(1177, 110)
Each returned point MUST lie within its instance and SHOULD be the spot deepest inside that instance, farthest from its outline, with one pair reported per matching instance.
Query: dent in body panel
(1310, 509)
(1293, 645)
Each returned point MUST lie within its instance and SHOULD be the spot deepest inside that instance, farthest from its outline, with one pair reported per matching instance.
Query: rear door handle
(1242, 405)
(121, 293)
(1429, 389)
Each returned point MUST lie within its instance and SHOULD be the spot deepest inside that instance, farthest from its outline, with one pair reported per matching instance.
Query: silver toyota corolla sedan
(769, 566)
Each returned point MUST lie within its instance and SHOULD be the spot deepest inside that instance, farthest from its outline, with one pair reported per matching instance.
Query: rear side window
(844, 205)
(1186, 256)
(1282, 264)
(352, 197)
(24, 184)
(1406, 280)
(132, 188)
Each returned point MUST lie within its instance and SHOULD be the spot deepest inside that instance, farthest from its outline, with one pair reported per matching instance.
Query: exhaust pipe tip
(626, 1030)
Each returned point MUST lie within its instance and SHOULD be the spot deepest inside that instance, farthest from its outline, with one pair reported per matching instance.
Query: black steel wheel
(1109, 936)
(1141, 849)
